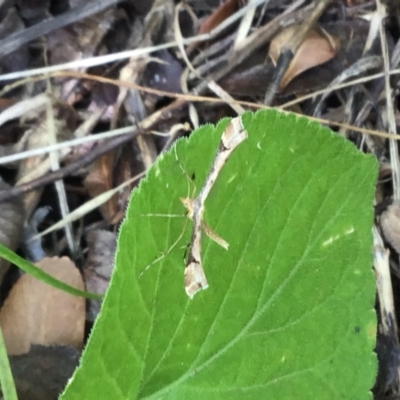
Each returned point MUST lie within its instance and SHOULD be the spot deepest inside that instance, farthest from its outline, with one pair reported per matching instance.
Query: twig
(16, 40)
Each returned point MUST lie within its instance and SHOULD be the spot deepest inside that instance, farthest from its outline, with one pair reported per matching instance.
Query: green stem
(33, 270)
(6, 378)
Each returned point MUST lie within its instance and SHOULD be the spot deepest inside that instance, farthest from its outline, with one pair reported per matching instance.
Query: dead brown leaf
(37, 313)
(352, 36)
(225, 10)
(254, 76)
(317, 48)
(99, 180)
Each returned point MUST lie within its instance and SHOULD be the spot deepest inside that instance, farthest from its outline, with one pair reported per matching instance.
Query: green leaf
(289, 311)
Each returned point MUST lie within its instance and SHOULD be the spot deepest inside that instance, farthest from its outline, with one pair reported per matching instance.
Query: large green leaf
(289, 311)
